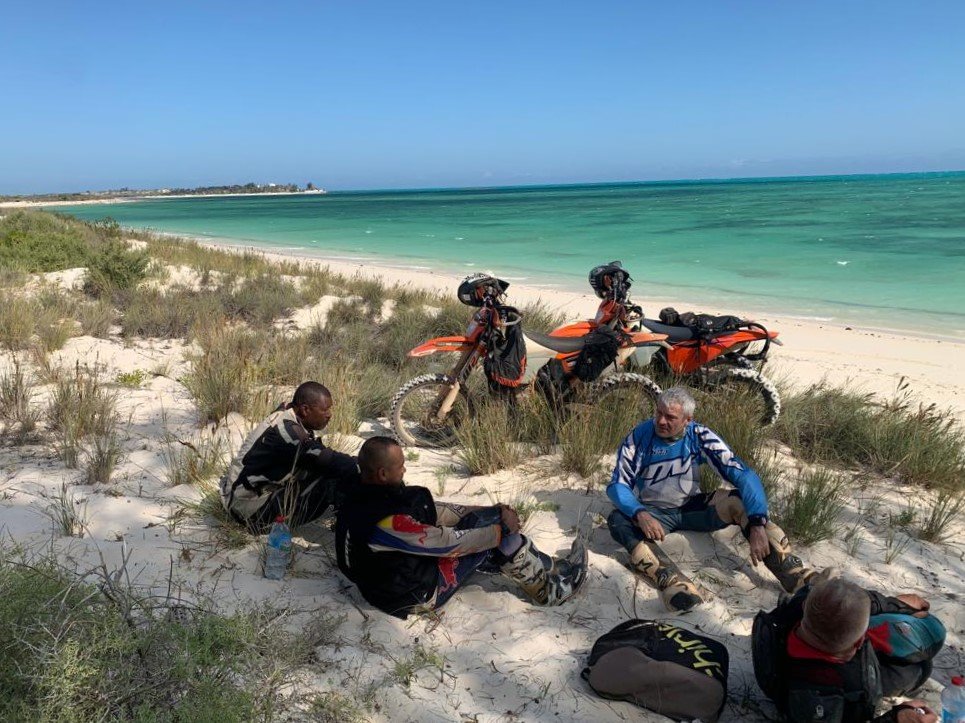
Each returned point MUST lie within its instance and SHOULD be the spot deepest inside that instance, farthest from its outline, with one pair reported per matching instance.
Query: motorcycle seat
(559, 344)
(674, 333)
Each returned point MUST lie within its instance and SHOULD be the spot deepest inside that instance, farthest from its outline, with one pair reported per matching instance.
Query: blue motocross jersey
(653, 472)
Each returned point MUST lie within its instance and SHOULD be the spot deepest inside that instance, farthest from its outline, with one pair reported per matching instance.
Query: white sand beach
(493, 656)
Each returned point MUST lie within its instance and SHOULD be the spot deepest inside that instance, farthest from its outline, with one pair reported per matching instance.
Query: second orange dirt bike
(427, 411)
(713, 354)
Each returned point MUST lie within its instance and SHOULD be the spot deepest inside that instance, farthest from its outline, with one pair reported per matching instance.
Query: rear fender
(440, 344)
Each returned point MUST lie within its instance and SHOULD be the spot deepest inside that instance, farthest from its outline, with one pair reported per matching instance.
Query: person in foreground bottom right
(833, 651)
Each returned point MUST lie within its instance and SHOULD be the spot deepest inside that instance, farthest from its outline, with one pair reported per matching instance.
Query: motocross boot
(788, 568)
(547, 588)
(677, 591)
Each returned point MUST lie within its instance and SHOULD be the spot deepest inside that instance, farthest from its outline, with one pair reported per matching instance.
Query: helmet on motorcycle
(609, 276)
(476, 287)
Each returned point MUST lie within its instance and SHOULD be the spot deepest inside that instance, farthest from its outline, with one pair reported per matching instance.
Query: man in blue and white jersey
(656, 490)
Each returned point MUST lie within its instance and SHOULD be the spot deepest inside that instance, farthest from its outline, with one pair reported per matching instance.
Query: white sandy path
(504, 658)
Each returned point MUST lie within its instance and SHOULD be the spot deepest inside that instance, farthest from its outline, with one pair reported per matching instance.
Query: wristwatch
(757, 520)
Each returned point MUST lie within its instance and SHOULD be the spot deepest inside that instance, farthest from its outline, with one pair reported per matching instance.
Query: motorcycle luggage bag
(599, 351)
(703, 324)
(505, 363)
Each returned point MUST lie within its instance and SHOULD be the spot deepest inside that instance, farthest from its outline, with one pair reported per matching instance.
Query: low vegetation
(74, 651)
(91, 658)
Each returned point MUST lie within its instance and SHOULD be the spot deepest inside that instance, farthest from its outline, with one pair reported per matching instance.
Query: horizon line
(567, 184)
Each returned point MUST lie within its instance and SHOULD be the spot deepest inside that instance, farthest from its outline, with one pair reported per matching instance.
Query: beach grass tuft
(17, 391)
(941, 515)
(486, 440)
(223, 375)
(837, 426)
(810, 508)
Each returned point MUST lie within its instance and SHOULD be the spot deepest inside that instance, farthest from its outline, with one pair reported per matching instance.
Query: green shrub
(34, 241)
(79, 652)
(114, 268)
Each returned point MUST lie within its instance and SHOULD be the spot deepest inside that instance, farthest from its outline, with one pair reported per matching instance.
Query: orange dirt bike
(426, 411)
(711, 354)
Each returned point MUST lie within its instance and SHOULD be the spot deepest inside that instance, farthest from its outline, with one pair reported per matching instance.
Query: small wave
(803, 317)
(469, 264)
(841, 263)
(460, 238)
(368, 230)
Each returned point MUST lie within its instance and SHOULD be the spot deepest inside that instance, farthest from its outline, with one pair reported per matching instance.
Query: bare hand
(651, 529)
(917, 713)
(916, 602)
(509, 518)
(760, 547)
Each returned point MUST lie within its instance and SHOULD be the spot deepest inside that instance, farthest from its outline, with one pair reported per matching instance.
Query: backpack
(599, 351)
(662, 667)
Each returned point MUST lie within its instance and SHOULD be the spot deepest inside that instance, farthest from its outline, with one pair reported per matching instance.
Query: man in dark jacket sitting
(833, 651)
(283, 469)
(405, 551)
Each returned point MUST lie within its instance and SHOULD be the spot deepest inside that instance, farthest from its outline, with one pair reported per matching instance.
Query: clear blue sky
(357, 94)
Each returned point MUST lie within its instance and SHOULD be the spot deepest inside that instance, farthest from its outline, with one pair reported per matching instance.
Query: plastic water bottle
(953, 701)
(278, 551)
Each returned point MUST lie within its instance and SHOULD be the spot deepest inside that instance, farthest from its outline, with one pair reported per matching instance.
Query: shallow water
(884, 251)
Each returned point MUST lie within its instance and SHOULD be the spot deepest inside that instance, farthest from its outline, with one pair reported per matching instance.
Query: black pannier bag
(505, 362)
(702, 323)
(662, 667)
(599, 351)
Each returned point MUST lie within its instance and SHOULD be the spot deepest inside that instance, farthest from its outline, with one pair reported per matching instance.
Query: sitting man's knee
(617, 520)
(729, 507)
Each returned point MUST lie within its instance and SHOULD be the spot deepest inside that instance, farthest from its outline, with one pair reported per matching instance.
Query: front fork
(458, 374)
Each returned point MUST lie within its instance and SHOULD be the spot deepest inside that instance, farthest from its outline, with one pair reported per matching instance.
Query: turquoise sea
(881, 251)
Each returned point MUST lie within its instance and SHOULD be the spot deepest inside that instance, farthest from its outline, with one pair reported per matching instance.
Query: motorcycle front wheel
(414, 412)
(625, 399)
(746, 389)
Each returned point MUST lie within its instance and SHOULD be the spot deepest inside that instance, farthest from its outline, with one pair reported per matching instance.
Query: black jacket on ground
(394, 582)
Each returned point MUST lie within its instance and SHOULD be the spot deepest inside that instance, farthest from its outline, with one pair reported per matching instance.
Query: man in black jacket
(833, 651)
(283, 469)
(405, 551)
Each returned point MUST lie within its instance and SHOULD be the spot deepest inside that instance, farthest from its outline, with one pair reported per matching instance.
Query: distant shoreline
(152, 197)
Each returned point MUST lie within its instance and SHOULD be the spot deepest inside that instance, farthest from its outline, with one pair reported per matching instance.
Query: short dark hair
(836, 614)
(374, 454)
(309, 393)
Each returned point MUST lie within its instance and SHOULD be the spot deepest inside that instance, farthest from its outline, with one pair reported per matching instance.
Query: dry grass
(486, 440)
